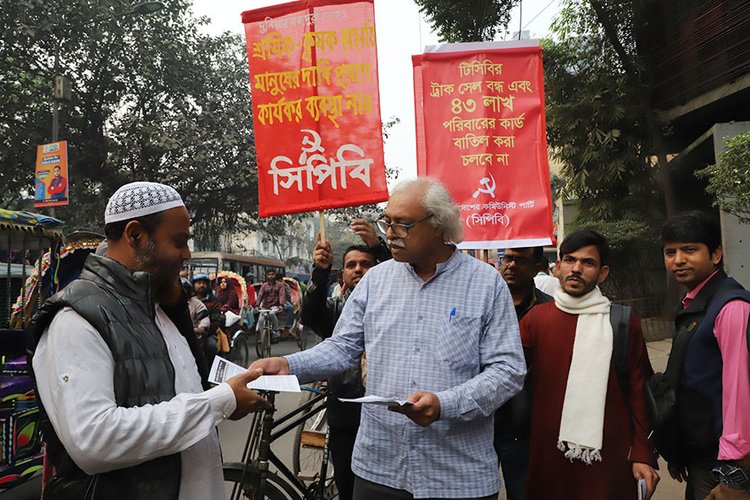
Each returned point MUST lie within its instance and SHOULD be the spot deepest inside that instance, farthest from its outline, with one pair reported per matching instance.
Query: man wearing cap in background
(119, 371)
(202, 290)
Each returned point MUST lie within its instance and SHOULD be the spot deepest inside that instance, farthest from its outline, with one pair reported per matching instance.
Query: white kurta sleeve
(74, 371)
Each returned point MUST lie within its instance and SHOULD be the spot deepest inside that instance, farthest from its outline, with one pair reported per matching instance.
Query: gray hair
(437, 202)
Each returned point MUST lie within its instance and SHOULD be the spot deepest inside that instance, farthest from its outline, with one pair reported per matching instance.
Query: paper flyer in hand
(377, 400)
(222, 370)
(641, 489)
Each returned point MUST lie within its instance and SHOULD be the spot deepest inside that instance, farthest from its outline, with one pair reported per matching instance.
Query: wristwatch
(732, 475)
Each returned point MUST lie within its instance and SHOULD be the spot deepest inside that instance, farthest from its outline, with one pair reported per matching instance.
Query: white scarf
(582, 421)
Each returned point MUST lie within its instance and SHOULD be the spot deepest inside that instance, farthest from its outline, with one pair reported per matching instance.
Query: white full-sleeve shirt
(74, 372)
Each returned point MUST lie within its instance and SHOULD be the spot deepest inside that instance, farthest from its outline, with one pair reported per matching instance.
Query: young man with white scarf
(589, 436)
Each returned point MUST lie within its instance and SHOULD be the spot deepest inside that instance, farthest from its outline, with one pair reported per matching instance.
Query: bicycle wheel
(241, 350)
(302, 334)
(308, 450)
(259, 334)
(239, 484)
(266, 341)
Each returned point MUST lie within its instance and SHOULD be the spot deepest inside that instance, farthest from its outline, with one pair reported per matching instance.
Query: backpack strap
(619, 317)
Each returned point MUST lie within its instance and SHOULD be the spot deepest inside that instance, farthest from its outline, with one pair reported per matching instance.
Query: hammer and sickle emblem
(489, 186)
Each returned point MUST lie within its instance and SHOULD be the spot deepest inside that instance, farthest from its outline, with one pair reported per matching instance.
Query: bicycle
(252, 479)
(265, 332)
(240, 351)
(307, 451)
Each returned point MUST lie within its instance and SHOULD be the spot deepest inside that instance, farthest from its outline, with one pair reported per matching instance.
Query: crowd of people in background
(527, 369)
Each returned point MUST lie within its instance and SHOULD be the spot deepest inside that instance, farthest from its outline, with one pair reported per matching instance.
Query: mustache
(398, 242)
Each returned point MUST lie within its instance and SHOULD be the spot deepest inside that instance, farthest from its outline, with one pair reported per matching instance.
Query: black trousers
(367, 490)
(341, 446)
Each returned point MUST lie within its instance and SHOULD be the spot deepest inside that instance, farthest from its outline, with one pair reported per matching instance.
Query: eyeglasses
(399, 230)
(519, 260)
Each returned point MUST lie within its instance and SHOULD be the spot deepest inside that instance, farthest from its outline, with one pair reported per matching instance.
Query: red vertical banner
(481, 131)
(316, 107)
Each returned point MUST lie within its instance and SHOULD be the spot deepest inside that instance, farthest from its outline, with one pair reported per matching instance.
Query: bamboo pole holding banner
(322, 216)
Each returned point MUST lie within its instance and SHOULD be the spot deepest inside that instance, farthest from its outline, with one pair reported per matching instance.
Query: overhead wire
(538, 14)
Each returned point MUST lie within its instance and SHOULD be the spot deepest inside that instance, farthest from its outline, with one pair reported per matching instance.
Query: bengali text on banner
(481, 131)
(316, 108)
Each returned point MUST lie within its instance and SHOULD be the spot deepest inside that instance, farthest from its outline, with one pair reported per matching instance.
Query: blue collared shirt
(455, 335)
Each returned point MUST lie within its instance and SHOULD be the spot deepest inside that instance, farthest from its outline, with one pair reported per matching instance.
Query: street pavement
(234, 434)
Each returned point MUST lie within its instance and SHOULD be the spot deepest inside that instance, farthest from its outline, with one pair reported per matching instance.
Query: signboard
(51, 177)
(316, 108)
(481, 131)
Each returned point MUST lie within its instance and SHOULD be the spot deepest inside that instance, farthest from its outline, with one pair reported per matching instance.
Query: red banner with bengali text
(316, 107)
(481, 131)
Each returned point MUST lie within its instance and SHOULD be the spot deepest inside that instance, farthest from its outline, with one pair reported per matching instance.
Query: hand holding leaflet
(222, 370)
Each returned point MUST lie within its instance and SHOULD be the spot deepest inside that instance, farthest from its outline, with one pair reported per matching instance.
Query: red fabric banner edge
(450, 55)
(257, 15)
(376, 197)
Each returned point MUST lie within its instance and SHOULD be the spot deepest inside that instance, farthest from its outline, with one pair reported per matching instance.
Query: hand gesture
(247, 399)
(365, 231)
(322, 255)
(645, 471)
(424, 411)
(271, 366)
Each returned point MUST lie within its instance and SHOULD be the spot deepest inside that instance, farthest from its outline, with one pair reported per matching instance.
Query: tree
(153, 99)
(595, 126)
(728, 178)
(598, 128)
(468, 20)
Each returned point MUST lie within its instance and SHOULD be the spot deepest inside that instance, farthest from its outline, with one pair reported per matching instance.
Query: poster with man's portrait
(51, 176)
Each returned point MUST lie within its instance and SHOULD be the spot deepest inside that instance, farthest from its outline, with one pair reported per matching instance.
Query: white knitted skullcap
(138, 199)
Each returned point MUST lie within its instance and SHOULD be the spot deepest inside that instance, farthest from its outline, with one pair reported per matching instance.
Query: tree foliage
(468, 20)
(598, 129)
(729, 178)
(153, 99)
(595, 123)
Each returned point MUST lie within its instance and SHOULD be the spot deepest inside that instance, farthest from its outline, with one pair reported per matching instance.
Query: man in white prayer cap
(119, 371)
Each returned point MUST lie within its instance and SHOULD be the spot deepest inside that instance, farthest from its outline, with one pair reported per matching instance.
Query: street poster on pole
(316, 107)
(481, 131)
(51, 176)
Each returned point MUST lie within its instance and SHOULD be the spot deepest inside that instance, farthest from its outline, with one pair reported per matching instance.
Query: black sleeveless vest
(119, 305)
(699, 400)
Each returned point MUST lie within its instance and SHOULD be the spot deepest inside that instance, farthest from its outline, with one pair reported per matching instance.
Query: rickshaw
(232, 339)
(24, 238)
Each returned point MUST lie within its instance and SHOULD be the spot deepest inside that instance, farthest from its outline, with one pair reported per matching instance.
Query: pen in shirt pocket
(452, 315)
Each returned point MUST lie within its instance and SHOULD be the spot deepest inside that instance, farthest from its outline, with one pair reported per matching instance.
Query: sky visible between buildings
(402, 32)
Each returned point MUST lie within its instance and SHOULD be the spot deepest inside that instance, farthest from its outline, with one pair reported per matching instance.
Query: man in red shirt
(271, 296)
(57, 186)
(589, 434)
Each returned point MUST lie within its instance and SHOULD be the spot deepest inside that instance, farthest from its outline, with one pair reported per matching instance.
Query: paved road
(234, 434)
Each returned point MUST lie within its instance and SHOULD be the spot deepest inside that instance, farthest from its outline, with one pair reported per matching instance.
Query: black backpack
(619, 318)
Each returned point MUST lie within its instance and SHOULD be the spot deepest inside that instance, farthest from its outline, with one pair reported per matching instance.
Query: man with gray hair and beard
(119, 370)
(440, 331)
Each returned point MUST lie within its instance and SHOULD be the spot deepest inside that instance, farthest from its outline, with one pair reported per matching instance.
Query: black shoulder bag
(661, 394)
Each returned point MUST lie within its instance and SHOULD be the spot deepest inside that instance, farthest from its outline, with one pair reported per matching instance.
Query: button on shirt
(74, 373)
(455, 335)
